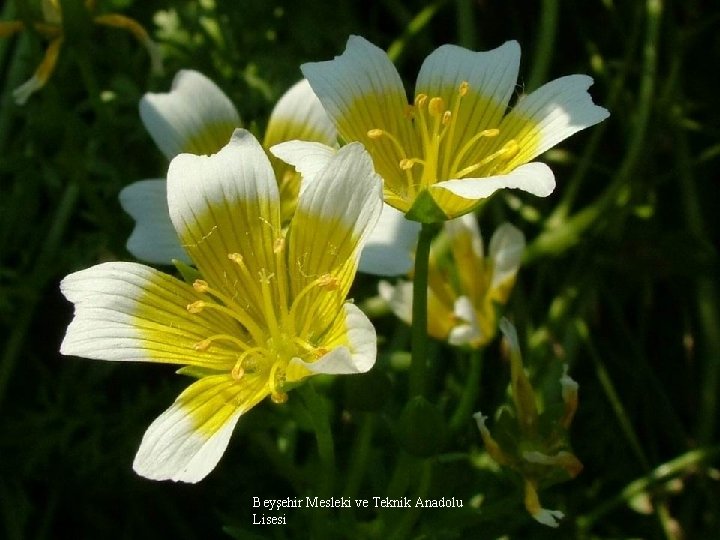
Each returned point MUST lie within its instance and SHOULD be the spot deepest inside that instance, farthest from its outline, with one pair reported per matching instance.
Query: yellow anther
(436, 107)
(510, 148)
(200, 285)
(375, 133)
(490, 132)
(320, 352)
(202, 345)
(464, 87)
(406, 164)
(279, 397)
(196, 307)
(279, 244)
(447, 116)
(237, 371)
(328, 282)
(265, 276)
(235, 257)
(420, 100)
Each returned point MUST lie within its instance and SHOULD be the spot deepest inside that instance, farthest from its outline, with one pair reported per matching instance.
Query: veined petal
(355, 354)
(224, 204)
(186, 442)
(506, 250)
(361, 90)
(299, 115)
(195, 116)
(153, 239)
(548, 116)
(490, 77)
(130, 312)
(308, 158)
(335, 214)
(390, 247)
(536, 178)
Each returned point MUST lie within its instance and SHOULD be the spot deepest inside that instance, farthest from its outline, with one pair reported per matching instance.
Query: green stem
(544, 44)
(319, 417)
(359, 459)
(470, 392)
(662, 473)
(418, 22)
(465, 23)
(409, 517)
(419, 336)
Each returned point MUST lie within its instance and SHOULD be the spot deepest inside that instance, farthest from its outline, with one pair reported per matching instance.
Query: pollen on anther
(200, 285)
(279, 397)
(375, 133)
(196, 307)
(328, 281)
(464, 87)
(406, 164)
(436, 107)
(237, 372)
(235, 257)
(278, 245)
(202, 345)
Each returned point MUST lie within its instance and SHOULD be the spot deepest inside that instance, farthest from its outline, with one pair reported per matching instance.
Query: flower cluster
(268, 236)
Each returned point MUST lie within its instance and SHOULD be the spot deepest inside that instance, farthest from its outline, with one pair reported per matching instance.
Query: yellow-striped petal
(186, 442)
(130, 312)
(224, 205)
(362, 91)
(195, 116)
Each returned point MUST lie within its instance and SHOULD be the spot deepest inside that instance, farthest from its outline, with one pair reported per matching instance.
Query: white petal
(346, 191)
(130, 312)
(361, 74)
(195, 116)
(308, 158)
(507, 246)
(557, 110)
(153, 239)
(226, 203)
(299, 114)
(465, 334)
(390, 248)
(399, 298)
(186, 442)
(358, 357)
(536, 178)
(548, 517)
(490, 74)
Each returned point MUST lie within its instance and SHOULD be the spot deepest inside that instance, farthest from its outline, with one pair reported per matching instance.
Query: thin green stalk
(410, 517)
(39, 277)
(660, 474)
(418, 22)
(319, 416)
(359, 459)
(467, 36)
(419, 336)
(612, 395)
(463, 411)
(544, 44)
(568, 233)
(706, 298)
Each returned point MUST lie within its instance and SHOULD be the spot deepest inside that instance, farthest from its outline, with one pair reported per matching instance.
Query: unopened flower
(454, 143)
(267, 310)
(533, 441)
(466, 286)
(51, 27)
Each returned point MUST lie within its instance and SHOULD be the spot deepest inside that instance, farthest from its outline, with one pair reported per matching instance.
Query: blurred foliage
(621, 281)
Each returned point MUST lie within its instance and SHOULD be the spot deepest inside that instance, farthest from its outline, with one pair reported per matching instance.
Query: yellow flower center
(445, 152)
(281, 332)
